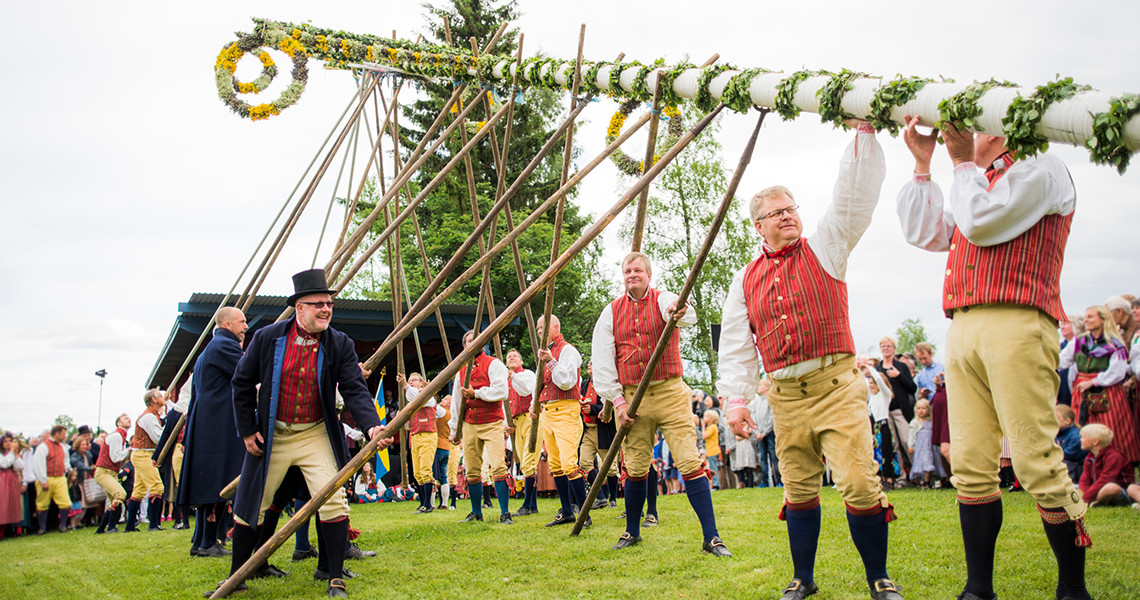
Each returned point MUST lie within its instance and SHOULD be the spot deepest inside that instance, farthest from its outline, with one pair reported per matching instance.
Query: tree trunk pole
(671, 324)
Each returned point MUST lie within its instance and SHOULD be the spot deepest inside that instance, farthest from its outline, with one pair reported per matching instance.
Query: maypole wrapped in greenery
(1030, 118)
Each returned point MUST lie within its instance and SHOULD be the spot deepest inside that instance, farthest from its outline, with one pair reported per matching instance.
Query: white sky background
(127, 185)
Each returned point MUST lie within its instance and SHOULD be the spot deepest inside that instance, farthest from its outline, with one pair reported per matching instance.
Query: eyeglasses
(319, 305)
(787, 210)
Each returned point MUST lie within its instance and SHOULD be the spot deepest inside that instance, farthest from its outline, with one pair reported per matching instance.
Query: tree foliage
(910, 333)
(679, 213)
(67, 422)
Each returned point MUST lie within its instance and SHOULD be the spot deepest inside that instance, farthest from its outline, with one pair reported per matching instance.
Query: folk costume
(1104, 361)
(51, 463)
(597, 436)
(623, 340)
(447, 457)
(521, 395)
(294, 410)
(422, 440)
(483, 432)
(1006, 233)
(148, 481)
(789, 309)
(112, 453)
(561, 425)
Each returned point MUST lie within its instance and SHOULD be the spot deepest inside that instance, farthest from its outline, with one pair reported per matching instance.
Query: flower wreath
(229, 86)
(626, 163)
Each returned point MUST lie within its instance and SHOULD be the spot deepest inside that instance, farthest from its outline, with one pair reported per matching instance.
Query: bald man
(561, 418)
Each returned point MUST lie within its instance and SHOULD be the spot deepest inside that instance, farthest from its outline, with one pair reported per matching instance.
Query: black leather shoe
(524, 511)
(423, 510)
(268, 570)
(355, 553)
(798, 590)
(716, 547)
(613, 503)
(337, 589)
(969, 596)
(650, 521)
(299, 556)
(155, 528)
(472, 517)
(239, 588)
(625, 541)
(885, 589)
(600, 503)
(214, 551)
(194, 551)
(324, 575)
(561, 519)
(505, 519)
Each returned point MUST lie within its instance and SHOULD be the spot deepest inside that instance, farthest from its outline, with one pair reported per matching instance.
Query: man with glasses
(291, 421)
(789, 308)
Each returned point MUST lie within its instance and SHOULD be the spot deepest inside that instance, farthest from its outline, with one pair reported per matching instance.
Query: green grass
(432, 556)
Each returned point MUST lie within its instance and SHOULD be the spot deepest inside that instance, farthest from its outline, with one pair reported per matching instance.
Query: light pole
(102, 375)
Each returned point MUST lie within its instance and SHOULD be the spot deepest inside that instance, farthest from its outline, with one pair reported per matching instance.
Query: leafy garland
(1024, 114)
(704, 98)
(1108, 130)
(896, 93)
(340, 49)
(786, 94)
(831, 97)
(626, 163)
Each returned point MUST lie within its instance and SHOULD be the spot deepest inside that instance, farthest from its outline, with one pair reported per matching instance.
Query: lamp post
(102, 375)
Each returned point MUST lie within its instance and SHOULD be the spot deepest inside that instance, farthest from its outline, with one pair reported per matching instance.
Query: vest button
(949, 296)
(777, 261)
(969, 294)
(777, 280)
(783, 316)
(834, 382)
(803, 384)
(779, 297)
(953, 246)
(947, 271)
(778, 389)
(804, 392)
(788, 337)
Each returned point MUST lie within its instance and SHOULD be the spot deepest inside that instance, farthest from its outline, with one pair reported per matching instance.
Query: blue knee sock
(200, 526)
(475, 490)
(530, 494)
(635, 490)
(803, 536)
(869, 532)
(700, 498)
(578, 491)
(562, 485)
(651, 493)
(503, 496)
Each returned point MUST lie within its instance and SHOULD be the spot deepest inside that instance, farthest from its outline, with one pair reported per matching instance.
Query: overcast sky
(127, 185)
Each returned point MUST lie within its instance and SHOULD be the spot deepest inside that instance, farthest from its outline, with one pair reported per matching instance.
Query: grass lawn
(432, 556)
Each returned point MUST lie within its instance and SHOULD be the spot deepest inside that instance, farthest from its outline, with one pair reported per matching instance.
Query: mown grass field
(432, 556)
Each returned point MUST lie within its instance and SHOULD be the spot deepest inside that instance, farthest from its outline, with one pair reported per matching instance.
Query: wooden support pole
(671, 324)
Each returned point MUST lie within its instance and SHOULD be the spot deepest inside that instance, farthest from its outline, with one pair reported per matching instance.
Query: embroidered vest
(141, 439)
(519, 404)
(551, 392)
(104, 459)
(480, 411)
(56, 463)
(637, 327)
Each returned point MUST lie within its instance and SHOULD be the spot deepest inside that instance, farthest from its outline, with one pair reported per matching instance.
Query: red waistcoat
(551, 392)
(56, 463)
(104, 459)
(796, 310)
(480, 411)
(591, 396)
(141, 439)
(422, 421)
(519, 404)
(1025, 270)
(637, 327)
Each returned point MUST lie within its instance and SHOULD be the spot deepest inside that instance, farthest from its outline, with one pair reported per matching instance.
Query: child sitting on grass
(1069, 439)
(1107, 476)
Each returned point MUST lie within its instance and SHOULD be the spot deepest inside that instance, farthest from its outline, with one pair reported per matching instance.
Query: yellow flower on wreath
(392, 52)
(290, 46)
(369, 54)
(228, 58)
(322, 43)
(266, 60)
(262, 111)
(296, 33)
(246, 88)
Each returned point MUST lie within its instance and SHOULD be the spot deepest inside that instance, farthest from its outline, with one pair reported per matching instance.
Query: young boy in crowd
(1107, 476)
(1069, 439)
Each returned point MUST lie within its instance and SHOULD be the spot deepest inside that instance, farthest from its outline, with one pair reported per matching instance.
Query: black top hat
(309, 282)
(83, 429)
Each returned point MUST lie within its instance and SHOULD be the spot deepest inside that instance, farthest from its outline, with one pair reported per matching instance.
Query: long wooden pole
(671, 324)
(436, 384)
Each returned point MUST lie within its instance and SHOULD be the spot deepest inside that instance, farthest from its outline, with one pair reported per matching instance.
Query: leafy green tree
(445, 216)
(910, 333)
(67, 422)
(680, 210)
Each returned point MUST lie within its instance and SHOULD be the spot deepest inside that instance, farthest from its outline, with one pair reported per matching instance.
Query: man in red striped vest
(1006, 233)
(788, 308)
(50, 463)
(148, 481)
(422, 432)
(561, 419)
(623, 340)
(483, 431)
(112, 452)
(521, 395)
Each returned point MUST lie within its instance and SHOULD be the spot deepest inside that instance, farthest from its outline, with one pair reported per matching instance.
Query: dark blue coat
(214, 451)
(255, 410)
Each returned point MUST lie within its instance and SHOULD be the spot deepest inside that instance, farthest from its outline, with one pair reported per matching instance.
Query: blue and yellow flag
(382, 412)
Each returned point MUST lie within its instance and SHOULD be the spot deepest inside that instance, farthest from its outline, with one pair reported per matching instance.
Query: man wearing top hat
(291, 421)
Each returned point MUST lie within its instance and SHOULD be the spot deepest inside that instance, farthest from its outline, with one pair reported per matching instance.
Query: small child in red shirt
(1107, 477)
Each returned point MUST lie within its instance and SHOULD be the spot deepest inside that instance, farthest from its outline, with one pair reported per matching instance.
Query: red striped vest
(478, 411)
(637, 327)
(422, 421)
(551, 392)
(141, 439)
(591, 396)
(519, 404)
(1025, 270)
(795, 309)
(104, 459)
(56, 463)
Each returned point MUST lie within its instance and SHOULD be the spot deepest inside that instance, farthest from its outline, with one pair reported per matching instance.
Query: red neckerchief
(998, 168)
(782, 251)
